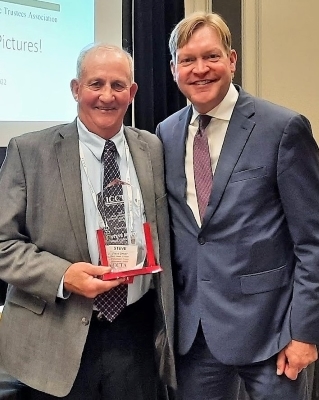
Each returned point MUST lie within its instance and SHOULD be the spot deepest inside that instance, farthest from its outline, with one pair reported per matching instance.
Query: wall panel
(280, 54)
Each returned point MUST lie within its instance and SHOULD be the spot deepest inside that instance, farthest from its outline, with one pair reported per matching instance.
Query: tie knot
(203, 121)
(109, 149)
(109, 146)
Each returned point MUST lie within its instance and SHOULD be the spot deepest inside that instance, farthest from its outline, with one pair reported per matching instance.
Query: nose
(106, 94)
(200, 66)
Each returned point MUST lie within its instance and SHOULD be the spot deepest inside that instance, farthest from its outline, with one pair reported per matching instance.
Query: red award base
(150, 268)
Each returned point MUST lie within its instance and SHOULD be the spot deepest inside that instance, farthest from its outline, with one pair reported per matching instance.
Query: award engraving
(129, 251)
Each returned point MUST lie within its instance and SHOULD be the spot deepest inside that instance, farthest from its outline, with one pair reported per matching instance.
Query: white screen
(39, 44)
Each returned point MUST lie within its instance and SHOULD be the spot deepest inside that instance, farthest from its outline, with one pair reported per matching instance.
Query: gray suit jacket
(42, 232)
(251, 272)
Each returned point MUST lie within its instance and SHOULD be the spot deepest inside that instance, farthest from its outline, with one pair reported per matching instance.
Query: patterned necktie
(202, 165)
(110, 204)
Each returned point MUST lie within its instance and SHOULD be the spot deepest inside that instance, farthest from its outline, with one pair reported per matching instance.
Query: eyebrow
(189, 53)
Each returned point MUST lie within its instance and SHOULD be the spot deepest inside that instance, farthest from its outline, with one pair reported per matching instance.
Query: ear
(74, 85)
(133, 90)
(233, 60)
(172, 65)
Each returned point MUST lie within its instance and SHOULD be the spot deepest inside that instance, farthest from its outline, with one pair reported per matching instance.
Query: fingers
(281, 362)
(292, 372)
(82, 278)
(297, 356)
(97, 270)
(101, 286)
(283, 366)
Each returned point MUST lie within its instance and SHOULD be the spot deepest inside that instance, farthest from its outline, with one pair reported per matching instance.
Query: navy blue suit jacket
(251, 272)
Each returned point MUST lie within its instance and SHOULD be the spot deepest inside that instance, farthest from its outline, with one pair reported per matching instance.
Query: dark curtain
(2, 154)
(127, 19)
(3, 285)
(158, 95)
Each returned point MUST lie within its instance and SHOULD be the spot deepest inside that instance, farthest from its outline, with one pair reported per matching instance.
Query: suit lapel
(67, 151)
(238, 132)
(178, 148)
(143, 166)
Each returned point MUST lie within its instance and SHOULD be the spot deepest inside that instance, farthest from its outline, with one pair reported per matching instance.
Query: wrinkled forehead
(102, 55)
(102, 59)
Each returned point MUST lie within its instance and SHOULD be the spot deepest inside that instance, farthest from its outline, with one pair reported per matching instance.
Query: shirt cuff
(62, 293)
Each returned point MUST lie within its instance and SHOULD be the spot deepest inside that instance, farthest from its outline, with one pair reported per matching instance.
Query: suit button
(85, 321)
(201, 240)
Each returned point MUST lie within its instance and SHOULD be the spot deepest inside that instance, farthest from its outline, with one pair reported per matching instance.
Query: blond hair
(184, 30)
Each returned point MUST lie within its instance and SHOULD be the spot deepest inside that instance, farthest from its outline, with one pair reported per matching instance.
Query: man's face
(203, 70)
(104, 91)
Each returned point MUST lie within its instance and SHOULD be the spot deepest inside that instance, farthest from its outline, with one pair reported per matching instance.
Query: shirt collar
(95, 143)
(224, 109)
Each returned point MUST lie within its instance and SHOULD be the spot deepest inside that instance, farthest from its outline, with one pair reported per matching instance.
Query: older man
(64, 332)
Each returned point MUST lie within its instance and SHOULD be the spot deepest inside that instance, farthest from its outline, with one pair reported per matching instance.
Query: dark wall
(2, 154)
(3, 285)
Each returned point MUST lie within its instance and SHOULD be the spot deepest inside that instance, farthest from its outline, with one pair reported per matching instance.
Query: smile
(202, 83)
(105, 109)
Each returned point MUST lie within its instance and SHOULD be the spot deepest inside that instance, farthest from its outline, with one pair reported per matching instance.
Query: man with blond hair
(242, 177)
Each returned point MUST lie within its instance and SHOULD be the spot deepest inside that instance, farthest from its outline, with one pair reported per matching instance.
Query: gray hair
(95, 46)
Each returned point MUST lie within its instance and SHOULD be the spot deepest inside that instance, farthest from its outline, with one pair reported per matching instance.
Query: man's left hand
(295, 357)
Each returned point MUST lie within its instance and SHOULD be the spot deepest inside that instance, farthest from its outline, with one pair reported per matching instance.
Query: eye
(186, 61)
(118, 86)
(95, 85)
(213, 57)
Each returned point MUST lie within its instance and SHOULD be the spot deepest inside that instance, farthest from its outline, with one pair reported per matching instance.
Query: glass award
(125, 244)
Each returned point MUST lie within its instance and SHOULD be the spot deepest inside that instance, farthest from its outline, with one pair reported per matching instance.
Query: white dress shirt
(216, 132)
(92, 147)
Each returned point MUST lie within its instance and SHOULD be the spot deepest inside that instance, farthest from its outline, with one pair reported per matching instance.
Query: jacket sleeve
(298, 183)
(22, 263)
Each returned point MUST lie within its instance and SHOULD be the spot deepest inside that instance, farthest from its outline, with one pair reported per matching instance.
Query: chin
(203, 97)
(203, 106)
